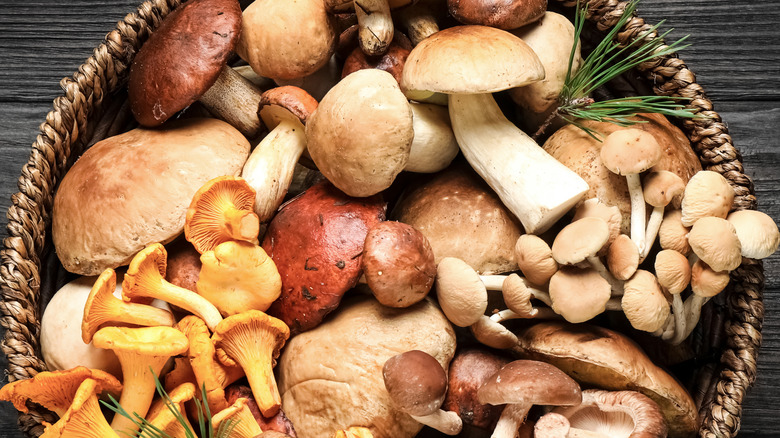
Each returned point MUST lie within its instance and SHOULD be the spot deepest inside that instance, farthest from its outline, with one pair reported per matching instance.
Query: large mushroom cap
(182, 59)
(470, 59)
(133, 189)
(415, 381)
(530, 382)
(503, 14)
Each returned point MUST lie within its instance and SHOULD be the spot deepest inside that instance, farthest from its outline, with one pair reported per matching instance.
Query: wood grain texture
(734, 53)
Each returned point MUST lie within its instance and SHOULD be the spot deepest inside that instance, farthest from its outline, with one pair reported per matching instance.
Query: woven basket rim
(68, 126)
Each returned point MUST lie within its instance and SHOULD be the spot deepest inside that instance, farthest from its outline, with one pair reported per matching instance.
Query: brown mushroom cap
(623, 257)
(579, 294)
(530, 382)
(316, 242)
(416, 382)
(708, 193)
(707, 282)
(361, 133)
(644, 303)
(285, 102)
(603, 358)
(716, 243)
(468, 371)
(630, 151)
(286, 40)
(133, 189)
(535, 259)
(458, 199)
(503, 14)
(398, 264)
(183, 264)
(757, 232)
(470, 59)
(391, 61)
(580, 152)
(182, 58)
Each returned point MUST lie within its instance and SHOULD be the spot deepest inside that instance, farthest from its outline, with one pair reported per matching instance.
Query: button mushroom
(521, 384)
(534, 186)
(417, 384)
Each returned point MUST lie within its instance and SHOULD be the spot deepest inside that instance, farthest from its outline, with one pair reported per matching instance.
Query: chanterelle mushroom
(465, 61)
(244, 423)
(524, 383)
(83, 419)
(167, 416)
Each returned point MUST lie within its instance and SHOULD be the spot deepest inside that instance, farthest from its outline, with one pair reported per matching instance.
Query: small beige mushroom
(707, 193)
(534, 257)
(644, 303)
(757, 233)
(660, 188)
(581, 241)
(593, 207)
(579, 294)
(705, 284)
(623, 257)
(673, 234)
(462, 295)
(674, 275)
(715, 242)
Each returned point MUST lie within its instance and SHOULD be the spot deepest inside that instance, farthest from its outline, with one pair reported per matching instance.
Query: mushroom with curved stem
(509, 161)
(580, 242)
(629, 152)
(269, 168)
(102, 307)
(489, 332)
(417, 384)
(522, 384)
(142, 352)
(83, 419)
(534, 257)
(705, 284)
(707, 193)
(660, 188)
(253, 340)
(674, 275)
(517, 297)
(197, 67)
(169, 416)
(240, 418)
(55, 390)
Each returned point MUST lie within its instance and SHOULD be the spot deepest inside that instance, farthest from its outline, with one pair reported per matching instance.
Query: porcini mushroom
(521, 384)
(434, 146)
(757, 233)
(534, 186)
(502, 14)
(83, 419)
(391, 61)
(398, 264)
(242, 422)
(707, 193)
(142, 352)
(221, 210)
(421, 19)
(170, 72)
(417, 384)
(660, 188)
(253, 340)
(102, 306)
(238, 276)
(630, 152)
(269, 169)
(145, 277)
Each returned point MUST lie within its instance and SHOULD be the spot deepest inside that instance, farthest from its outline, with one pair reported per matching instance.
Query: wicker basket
(729, 337)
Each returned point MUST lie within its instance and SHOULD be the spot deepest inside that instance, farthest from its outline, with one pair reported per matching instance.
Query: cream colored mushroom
(534, 257)
(660, 188)
(707, 193)
(593, 207)
(674, 275)
(673, 234)
(715, 242)
(644, 303)
(757, 233)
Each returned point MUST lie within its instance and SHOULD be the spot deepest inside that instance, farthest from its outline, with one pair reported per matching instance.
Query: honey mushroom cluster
(284, 211)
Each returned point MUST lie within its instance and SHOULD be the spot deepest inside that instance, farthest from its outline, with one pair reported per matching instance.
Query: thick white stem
(269, 170)
(533, 185)
(375, 26)
(510, 420)
(234, 99)
(653, 225)
(637, 211)
(446, 422)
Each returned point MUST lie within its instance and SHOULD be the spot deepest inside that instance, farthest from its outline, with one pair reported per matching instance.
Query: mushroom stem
(691, 316)
(510, 420)
(375, 26)
(241, 224)
(637, 211)
(538, 313)
(234, 99)
(419, 20)
(533, 185)
(446, 422)
(614, 283)
(185, 299)
(653, 225)
(496, 282)
(680, 321)
(615, 304)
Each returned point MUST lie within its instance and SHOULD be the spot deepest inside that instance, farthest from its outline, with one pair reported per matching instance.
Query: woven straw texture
(84, 113)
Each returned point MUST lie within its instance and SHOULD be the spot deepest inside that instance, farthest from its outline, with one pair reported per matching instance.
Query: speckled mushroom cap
(579, 294)
(470, 59)
(644, 303)
(661, 187)
(579, 240)
(630, 151)
(672, 270)
(716, 243)
(707, 193)
(182, 59)
(757, 232)
(530, 382)
(416, 382)
(503, 14)
(133, 189)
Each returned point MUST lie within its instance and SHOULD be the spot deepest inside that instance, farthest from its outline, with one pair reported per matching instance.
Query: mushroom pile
(348, 232)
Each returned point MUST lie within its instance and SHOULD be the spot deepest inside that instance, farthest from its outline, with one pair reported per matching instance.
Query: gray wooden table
(735, 53)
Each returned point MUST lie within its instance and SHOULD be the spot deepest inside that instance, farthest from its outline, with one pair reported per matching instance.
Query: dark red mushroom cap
(391, 61)
(530, 382)
(416, 382)
(469, 369)
(503, 14)
(316, 241)
(182, 58)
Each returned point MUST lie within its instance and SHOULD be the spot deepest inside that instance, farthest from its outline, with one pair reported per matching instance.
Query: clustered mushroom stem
(496, 282)
(242, 224)
(691, 316)
(653, 225)
(446, 422)
(510, 420)
(637, 211)
(614, 304)
(614, 283)
(680, 320)
(234, 99)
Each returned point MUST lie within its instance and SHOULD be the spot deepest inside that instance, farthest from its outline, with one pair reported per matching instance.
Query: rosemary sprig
(606, 62)
(148, 430)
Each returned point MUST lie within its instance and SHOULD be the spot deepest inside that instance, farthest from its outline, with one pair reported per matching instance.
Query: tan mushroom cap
(707, 193)
(706, 282)
(757, 232)
(593, 207)
(530, 382)
(361, 133)
(630, 151)
(286, 40)
(517, 296)
(579, 240)
(716, 243)
(470, 59)
(462, 295)
(493, 334)
(534, 257)
(579, 294)
(644, 303)
(623, 257)
(672, 270)
(673, 234)
(661, 187)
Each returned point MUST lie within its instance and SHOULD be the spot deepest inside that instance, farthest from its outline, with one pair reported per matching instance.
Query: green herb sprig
(148, 430)
(606, 62)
